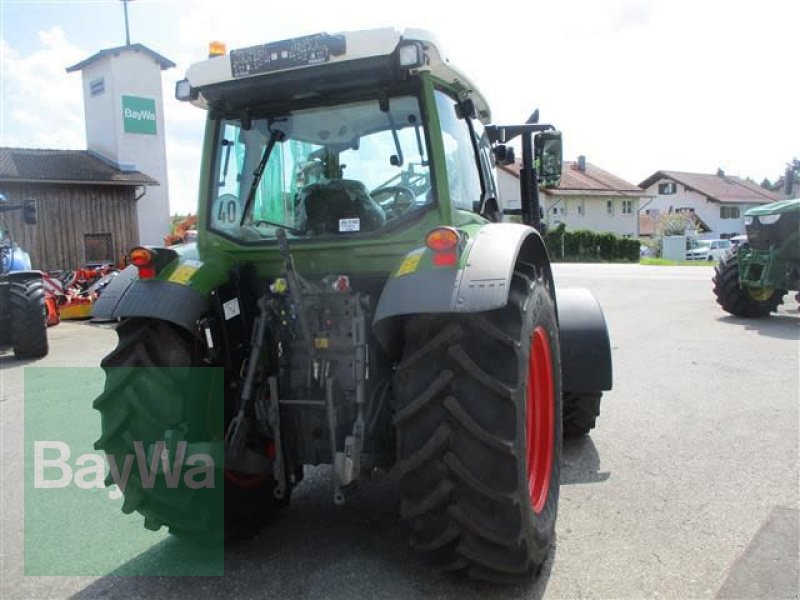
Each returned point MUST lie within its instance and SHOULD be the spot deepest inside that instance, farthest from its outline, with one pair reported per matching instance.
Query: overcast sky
(636, 86)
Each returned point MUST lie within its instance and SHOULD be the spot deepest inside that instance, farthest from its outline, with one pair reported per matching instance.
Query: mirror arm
(528, 185)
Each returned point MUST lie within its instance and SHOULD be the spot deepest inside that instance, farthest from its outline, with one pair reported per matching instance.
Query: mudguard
(480, 282)
(128, 296)
(585, 345)
(23, 275)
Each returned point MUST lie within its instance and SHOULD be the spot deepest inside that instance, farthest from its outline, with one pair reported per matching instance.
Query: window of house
(97, 248)
(729, 212)
(581, 207)
(667, 188)
(610, 208)
(627, 207)
(653, 212)
(97, 86)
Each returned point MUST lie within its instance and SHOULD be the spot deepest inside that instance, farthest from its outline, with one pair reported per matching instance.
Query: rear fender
(23, 275)
(585, 345)
(128, 296)
(481, 281)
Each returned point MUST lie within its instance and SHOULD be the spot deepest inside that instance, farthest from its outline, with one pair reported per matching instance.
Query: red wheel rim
(539, 419)
(244, 480)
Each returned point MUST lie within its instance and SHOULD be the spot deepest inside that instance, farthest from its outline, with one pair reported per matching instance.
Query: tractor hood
(784, 206)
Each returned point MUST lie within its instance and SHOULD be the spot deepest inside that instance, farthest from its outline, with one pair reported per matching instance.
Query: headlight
(768, 219)
(748, 220)
(410, 55)
(184, 90)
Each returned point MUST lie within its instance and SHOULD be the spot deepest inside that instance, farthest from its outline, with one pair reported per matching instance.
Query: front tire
(735, 299)
(28, 318)
(479, 434)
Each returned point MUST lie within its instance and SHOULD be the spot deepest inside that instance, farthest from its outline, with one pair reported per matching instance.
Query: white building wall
(131, 73)
(595, 217)
(507, 189)
(99, 110)
(709, 211)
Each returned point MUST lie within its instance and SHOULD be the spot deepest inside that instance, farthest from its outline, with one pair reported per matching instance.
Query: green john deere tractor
(752, 279)
(354, 279)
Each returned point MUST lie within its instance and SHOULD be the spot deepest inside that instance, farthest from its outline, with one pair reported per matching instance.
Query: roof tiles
(63, 166)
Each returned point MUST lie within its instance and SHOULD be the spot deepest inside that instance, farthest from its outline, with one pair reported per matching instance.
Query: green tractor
(354, 278)
(752, 279)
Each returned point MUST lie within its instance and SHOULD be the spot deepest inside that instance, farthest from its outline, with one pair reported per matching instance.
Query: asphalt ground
(688, 488)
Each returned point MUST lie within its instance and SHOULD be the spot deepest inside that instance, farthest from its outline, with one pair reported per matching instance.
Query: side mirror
(548, 158)
(29, 212)
(504, 155)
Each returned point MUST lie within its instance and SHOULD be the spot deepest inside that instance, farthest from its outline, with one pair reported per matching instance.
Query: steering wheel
(394, 199)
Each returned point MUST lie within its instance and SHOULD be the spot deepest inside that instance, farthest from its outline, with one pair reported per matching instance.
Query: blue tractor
(23, 317)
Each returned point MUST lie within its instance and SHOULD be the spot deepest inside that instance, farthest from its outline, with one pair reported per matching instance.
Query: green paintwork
(759, 269)
(784, 206)
(379, 255)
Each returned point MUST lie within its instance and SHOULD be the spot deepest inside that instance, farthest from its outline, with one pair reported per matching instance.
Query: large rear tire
(735, 299)
(28, 318)
(580, 413)
(479, 434)
(141, 404)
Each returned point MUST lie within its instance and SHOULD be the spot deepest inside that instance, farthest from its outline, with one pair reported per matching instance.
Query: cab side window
(462, 172)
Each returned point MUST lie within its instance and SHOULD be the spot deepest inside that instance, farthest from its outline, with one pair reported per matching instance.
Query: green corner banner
(139, 115)
(108, 453)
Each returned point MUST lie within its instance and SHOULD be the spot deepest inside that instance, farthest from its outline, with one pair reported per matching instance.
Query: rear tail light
(443, 239)
(143, 259)
(445, 243)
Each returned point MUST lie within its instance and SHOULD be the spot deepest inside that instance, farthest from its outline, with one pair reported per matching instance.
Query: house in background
(86, 207)
(588, 198)
(717, 201)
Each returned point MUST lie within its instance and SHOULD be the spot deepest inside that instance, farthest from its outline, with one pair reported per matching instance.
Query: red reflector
(147, 272)
(445, 259)
(442, 239)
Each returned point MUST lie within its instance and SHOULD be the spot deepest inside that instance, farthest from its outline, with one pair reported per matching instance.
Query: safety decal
(185, 271)
(410, 263)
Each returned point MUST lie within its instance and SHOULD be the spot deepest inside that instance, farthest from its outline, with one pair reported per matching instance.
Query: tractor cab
(344, 137)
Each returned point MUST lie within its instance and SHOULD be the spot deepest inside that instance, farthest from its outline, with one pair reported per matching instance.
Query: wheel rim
(539, 419)
(760, 294)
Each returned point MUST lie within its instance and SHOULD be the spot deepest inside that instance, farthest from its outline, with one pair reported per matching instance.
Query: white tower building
(124, 113)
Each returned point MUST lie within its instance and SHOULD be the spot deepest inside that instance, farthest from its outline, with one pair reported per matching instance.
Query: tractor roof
(266, 63)
(783, 206)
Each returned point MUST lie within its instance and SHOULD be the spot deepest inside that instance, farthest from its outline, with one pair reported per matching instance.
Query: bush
(584, 245)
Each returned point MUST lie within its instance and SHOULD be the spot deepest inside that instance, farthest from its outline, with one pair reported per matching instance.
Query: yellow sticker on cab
(185, 271)
(410, 263)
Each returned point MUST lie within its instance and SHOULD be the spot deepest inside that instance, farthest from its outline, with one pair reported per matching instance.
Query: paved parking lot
(688, 488)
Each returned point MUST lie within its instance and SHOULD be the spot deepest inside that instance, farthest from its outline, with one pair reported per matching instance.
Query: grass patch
(663, 262)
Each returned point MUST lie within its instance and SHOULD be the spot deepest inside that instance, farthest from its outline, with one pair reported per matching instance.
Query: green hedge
(584, 245)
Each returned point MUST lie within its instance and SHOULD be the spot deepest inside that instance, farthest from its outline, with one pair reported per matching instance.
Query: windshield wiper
(275, 136)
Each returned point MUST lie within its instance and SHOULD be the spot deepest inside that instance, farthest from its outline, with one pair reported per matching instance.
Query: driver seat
(322, 207)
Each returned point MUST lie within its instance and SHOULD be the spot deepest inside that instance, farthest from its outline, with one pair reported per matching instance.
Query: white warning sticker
(231, 308)
(349, 225)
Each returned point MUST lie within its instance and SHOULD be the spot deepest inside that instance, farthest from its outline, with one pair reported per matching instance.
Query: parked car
(708, 250)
